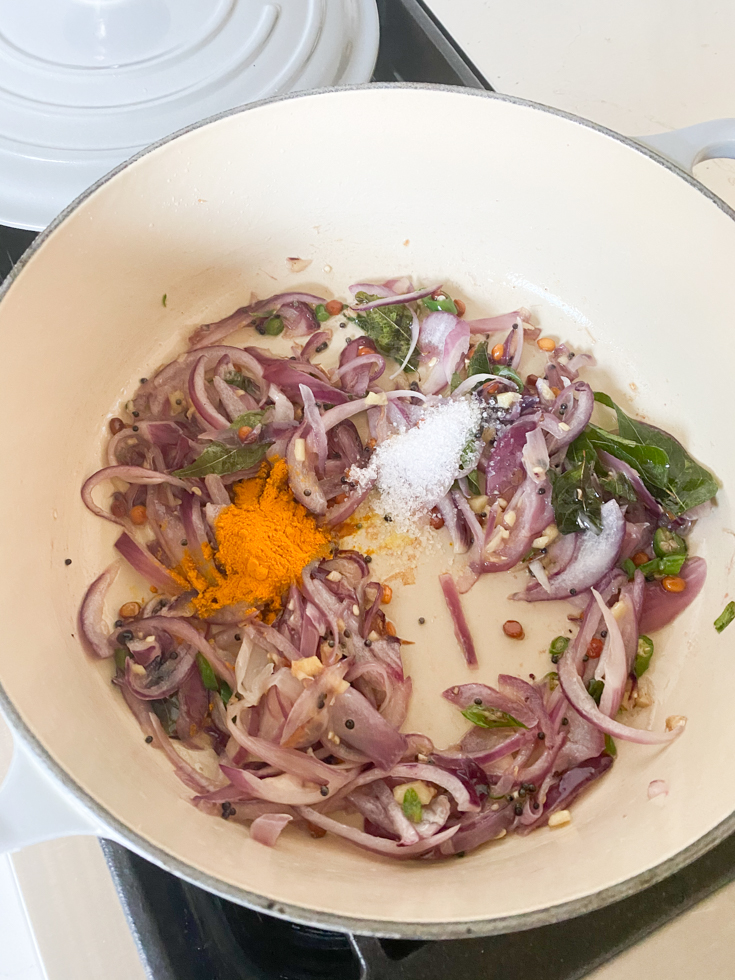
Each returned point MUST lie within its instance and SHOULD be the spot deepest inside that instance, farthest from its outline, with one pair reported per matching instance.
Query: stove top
(184, 933)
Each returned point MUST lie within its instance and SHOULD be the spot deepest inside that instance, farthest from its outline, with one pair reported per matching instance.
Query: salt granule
(414, 469)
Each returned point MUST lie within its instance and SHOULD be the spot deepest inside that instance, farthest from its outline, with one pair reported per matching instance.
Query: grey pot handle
(689, 146)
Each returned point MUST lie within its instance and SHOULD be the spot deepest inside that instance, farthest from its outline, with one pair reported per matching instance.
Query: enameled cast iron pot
(610, 245)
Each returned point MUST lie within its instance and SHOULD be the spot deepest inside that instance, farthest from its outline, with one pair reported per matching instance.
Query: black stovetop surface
(184, 933)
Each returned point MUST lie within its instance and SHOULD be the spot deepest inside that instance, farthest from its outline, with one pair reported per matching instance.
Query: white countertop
(637, 68)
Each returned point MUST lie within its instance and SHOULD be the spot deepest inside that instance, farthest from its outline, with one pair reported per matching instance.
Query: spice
(513, 629)
(415, 469)
(265, 540)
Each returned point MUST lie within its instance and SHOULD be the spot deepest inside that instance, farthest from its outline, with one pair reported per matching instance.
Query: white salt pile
(414, 469)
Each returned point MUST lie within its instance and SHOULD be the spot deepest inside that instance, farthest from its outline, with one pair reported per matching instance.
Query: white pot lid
(84, 84)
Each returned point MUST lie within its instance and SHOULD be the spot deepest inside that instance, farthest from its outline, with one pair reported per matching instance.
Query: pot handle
(35, 807)
(693, 144)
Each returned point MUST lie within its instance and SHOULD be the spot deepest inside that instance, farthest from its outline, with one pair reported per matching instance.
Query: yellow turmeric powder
(265, 539)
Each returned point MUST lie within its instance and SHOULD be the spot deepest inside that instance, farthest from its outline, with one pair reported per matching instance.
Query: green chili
(209, 678)
(643, 656)
(595, 689)
(273, 326)
(726, 617)
(666, 543)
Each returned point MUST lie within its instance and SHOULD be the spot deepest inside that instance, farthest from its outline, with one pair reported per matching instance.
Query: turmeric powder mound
(265, 540)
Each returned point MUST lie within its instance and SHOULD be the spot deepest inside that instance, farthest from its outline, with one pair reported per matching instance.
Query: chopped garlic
(501, 835)
(306, 667)
(674, 721)
(376, 398)
(549, 534)
(564, 427)
(299, 450)
(510, 518)
(356, 610)
(334, 576)
(341, 687)
(560, 819)
(425, 791)
(507, 399)
(478, 504)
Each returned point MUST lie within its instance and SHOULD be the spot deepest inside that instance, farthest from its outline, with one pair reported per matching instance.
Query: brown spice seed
(513, 629)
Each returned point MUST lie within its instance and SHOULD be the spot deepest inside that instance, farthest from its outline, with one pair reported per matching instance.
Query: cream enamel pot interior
(508, 204)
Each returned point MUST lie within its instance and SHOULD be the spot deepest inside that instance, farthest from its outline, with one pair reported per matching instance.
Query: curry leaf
(680, 483)
(503, 371)
(576, 498)
(221, 460)
(250, 419)
(243, 382)
(485, 717)
(390, 328)
(412, 805)
(479, 363)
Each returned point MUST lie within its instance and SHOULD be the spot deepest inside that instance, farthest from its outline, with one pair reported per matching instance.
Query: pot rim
(296, 913)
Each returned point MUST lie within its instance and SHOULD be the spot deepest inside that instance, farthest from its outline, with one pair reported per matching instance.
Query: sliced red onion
(373, 288)
(188, 775)
(469, 383)
(316, 340)
(143, 562)
(317, 438)
(91, 623)
(504, 468)
(479, 828)
(596, 555)
(535, 456)
(455, 347)
(289, 375)
(394, 300)
(461, 629)
(525, 517)
(232, 402)
(466, 695)
(200, 397)
(637, 538)
(580, 699)
(657, 787)
(378, 845)
(186, 632)
(273, 639)
(298, 764)
(131, 474)
(661, 607)
(285, 788)
(578, 400)
(440, 777)
(267, 828)
(302, 477)
(498, 324)
(298, 318)
(213, 333)
(612, 666)
(275, 302)
(194, 702)
(415, 327)
(458, 534)
(397, 821)
(618, 466)
(568, 789)
(162, 686)
(371, 734)
(216, 489)
(309, 717)
(283, 411)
